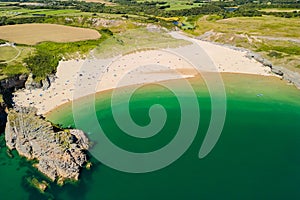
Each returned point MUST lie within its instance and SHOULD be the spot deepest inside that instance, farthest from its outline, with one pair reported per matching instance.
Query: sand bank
(78, 78)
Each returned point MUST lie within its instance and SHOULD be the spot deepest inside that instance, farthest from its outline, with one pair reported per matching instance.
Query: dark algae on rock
(60, 154)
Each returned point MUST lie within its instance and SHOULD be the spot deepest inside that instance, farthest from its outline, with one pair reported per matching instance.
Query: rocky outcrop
(292, 77)
(29, 81)
(259, 59)
(286, 74)
(277, 70)
(45, 83)
(51, 78)
(60, 153)
(31, 84)
(41, 186)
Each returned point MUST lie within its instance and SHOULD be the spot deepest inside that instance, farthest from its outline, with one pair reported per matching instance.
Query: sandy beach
(78, 78)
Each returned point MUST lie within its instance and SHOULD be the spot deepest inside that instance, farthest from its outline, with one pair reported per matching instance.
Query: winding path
(13, 46)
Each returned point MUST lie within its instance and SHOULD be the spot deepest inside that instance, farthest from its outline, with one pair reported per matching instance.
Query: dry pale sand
(78, 78)
(31, 34)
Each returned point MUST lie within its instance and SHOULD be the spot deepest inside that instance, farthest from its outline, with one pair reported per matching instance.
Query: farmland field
(32, 34)
(280, 9)
(101, 1)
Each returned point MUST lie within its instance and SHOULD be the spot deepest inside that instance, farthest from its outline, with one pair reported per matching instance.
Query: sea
(257, 155)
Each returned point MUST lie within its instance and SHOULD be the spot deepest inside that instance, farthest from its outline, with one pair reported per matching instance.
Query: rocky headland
(60, 154)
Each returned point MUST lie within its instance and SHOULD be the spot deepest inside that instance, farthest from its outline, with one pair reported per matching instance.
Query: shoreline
(79, 78)
(284, 73)
(249, 84)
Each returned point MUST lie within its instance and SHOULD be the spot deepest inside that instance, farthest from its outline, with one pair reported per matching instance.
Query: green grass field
(15, 64)
(177, 5)
(48, 12)
(11, 60)
(8, 53)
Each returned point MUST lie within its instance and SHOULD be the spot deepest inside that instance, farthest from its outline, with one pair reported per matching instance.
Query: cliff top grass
(8, 53)
(11, 60)
(13, 55)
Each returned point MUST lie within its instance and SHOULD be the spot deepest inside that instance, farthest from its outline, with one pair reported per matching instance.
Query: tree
(41, 64)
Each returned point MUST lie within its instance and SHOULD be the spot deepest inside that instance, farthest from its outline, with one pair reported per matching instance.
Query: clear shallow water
(256, 157)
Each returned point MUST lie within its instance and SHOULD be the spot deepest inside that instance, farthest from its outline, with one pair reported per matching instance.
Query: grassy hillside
(273, 37)
(136, 39)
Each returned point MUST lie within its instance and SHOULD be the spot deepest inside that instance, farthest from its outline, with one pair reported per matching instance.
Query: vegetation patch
(42, 63)
(11, 70)
(137, 39)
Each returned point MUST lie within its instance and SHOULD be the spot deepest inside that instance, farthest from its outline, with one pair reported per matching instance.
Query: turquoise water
(256, 157)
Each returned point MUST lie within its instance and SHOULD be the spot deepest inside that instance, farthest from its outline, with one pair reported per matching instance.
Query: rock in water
(40, 186)
(60, 154)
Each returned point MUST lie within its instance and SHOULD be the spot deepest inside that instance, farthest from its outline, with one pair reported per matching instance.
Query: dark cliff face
(3, 118)
(15, 82)
(7, 87)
